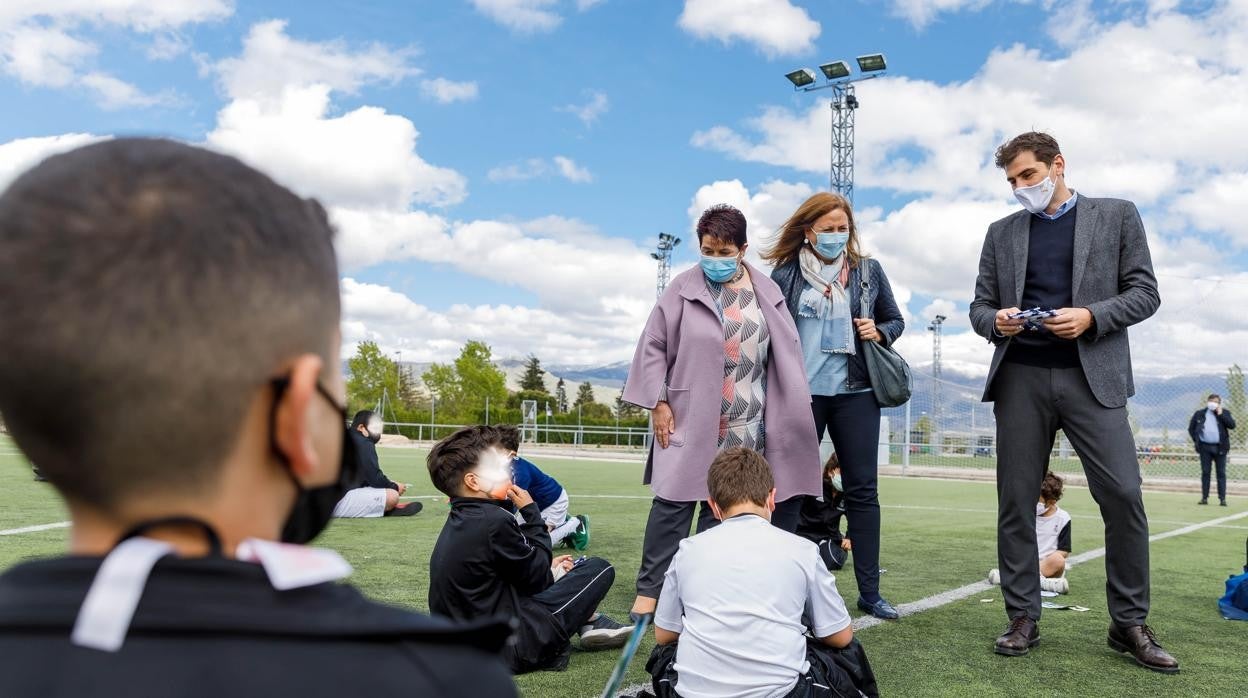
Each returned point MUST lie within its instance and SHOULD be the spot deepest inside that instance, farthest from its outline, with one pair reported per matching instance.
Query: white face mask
(1041, 508)
(836, 483)
(1036, 198)
(1213, 405)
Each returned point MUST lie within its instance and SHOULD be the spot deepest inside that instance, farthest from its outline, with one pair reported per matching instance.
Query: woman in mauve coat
(718, 365)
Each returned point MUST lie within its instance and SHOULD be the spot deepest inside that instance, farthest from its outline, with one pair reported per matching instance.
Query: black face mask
(315, 507)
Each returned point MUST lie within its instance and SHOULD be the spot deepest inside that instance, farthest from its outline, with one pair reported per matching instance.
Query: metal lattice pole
(663, 255)
(844, 104)
(936, 328)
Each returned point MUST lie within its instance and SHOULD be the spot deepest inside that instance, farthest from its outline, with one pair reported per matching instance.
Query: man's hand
(1007, 327)
(846, 545)
(563, 562)
(1219, 410)
(866, 330)
(402, 487)
(519, 497)
(664, 423)
(1069, 322)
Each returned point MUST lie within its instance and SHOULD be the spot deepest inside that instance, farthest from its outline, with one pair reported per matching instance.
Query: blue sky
(568, 133)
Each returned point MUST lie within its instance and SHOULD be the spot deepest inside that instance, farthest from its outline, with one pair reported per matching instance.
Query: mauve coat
(683, 346)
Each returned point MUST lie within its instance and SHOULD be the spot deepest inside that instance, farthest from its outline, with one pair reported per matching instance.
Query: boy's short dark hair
(361, 419)
(739, 475)
(1042, 145)
(1051, 488)
(510, 436)
(457, 454)
(722, 222)
(148, 289)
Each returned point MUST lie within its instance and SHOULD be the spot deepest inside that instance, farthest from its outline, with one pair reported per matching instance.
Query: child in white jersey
(1052, 537)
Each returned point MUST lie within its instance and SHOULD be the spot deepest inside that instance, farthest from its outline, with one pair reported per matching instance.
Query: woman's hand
(664, 423)
(866, 330)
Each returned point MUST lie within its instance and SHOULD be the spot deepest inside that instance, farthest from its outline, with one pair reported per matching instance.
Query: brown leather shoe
(1140, 642)
(1019, 638)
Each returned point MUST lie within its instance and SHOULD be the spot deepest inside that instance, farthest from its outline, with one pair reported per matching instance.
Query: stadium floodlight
(835, 70)
(801, 77)
(872, 63)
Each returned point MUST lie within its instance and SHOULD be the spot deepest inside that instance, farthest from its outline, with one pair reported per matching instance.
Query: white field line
(33, 529)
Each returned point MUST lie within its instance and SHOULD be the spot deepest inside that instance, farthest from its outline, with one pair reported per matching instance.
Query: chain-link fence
(946, 425)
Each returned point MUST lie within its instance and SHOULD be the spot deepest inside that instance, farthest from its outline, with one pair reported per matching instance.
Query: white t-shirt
(1053, 532)
(737, 594)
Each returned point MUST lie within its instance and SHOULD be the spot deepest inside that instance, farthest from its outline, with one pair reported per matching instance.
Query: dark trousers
(853, 423)
(574, 599)
(833, 672)
(668, 524)
(1210, 454)
(1031, 405)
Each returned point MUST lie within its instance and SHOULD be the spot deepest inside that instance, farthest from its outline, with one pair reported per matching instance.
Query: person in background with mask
(486, 565)
(184, 286)
(820, 267)
(718, 365)
(821, 518)
(1209, 430)
(375, 494)
(1088, 259)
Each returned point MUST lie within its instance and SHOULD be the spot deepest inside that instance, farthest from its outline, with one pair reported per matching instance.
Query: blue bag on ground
(1234, 605)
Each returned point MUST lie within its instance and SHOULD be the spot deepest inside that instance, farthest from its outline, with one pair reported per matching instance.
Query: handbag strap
(863, 275)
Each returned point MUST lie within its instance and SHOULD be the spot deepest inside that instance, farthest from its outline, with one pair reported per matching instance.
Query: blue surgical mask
(719, 269)
(831, 245)
(836, 483)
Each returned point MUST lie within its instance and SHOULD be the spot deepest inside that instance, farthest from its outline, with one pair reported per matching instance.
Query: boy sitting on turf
(820, 521)
(485, 564)
(1052, 537)
(551, 497)
(738, 598)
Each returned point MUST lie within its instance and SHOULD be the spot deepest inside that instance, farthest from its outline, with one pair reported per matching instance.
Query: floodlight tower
(663, 254)
(936, 328)
(837, 77)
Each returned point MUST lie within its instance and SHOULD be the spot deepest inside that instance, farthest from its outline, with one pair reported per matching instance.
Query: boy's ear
(771, 500)
(294, 420)
(719, 515)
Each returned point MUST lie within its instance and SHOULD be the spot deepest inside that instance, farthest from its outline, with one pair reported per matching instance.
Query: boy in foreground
(485, 564)
(739, 598)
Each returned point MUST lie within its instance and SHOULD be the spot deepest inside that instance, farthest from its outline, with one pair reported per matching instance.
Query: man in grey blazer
(1087, 259)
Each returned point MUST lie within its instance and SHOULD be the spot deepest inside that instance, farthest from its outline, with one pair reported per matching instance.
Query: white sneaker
(994, 577)
(1059, 585)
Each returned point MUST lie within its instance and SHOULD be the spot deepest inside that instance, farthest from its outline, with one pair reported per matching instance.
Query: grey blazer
(1112, 277)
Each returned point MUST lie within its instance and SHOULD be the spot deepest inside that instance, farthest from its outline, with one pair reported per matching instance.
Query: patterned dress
(746, 342)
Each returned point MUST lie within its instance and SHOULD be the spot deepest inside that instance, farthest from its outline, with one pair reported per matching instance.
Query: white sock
(564, 530)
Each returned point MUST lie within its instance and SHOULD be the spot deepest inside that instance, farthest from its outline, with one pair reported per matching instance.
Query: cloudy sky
(499, 169)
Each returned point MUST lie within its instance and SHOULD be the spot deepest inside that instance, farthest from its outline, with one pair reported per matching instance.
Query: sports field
(939, 537)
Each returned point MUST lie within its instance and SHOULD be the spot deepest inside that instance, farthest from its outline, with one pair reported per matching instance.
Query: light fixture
(801, 77)
(835, 70)
(872, 63)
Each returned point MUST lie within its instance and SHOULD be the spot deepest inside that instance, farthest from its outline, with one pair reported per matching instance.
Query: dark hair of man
(1051, 488)
(148, 289)
(832, 463)
(509, 436)
(452, 457)
(739, 475)
(1214, 396)
(1042, 145)
(361, 419)
(722, 222)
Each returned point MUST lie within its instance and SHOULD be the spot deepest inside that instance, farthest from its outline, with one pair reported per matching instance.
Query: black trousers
(668, 524)
(853, 423)
(574, 599)
(1031, 405)
(1209, 456)
(833, 672)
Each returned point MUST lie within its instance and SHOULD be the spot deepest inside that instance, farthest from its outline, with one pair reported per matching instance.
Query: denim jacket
(884, 309)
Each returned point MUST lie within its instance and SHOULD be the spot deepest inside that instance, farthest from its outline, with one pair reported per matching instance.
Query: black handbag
(890, 374)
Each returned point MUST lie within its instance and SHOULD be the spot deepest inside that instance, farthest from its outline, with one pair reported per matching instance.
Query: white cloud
(446, 91)
(19, 155)
(589, 112)
(44, 56)
(775, 27)
(141, 15)
(583, 5)
(272, 62)
(920, 13)
(569, 170)
(522, 16)
(167, 46)
(114, 93)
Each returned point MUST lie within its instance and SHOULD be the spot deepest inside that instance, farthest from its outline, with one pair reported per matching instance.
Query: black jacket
(369, 466)
(821, 519)
(212, 627)
(1225, 422)
(884, 310)
(487, 565)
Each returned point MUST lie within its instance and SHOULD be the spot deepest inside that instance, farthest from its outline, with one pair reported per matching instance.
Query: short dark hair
(1051, 488)
(833, 462)
(1042, 145)
(722, 222)
(510, 436)
(459, 453)
(148, 290)
(1213, 395)
(361, 418)
(737, 475)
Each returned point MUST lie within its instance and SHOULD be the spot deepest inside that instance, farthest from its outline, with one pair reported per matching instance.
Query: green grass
(938, 535)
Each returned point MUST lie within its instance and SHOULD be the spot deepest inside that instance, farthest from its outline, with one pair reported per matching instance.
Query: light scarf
(827, 301)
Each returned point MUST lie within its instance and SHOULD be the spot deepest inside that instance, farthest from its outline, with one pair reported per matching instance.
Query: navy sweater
(1050, 262)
